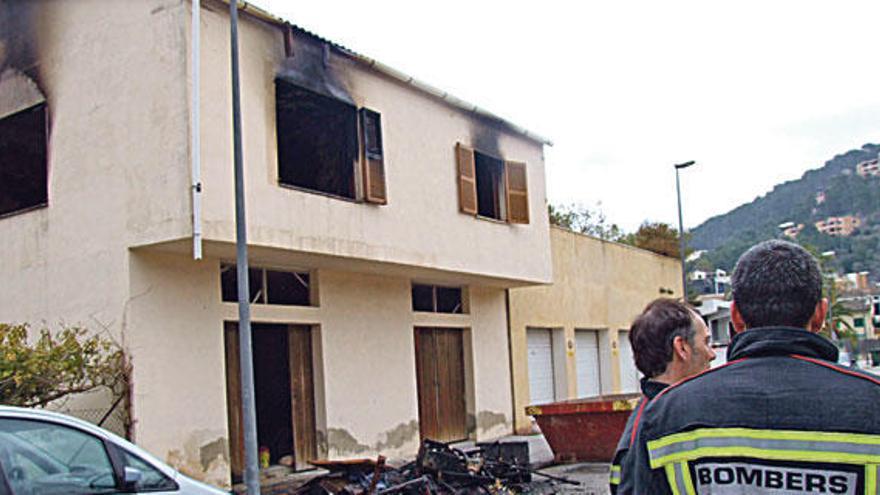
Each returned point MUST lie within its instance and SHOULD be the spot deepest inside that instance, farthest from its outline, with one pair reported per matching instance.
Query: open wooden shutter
(467, 179)
(374, 161)
(517, 192)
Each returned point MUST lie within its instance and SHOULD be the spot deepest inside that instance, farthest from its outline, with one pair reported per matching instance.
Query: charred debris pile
(492, 468)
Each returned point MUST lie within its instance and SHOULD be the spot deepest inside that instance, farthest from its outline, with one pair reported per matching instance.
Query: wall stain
(471, 423)
(344, 442)
(204, 457)
(490, 419)
(399, 436)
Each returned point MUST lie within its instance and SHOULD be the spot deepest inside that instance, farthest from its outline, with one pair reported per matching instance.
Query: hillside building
(842, 226)
(869, 168)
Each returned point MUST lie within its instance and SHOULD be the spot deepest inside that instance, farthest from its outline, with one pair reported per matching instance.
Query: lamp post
(681, 229)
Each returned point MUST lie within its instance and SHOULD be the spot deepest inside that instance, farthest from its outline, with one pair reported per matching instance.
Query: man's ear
(739, 325)
(681, 348)
(818, 318)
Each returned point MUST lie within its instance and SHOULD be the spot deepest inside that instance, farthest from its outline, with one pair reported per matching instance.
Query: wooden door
(233, 400)
(302, 396)
(441, 383)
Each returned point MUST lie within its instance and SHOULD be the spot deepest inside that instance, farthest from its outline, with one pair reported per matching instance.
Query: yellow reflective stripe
(670, 476)
(615, 474)
(688, 481)
(853, 448)
(871, 473)
(809, 436)
(767, 454)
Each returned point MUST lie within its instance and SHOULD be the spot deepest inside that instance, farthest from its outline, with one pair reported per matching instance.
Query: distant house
(706, 283)
(716, 313)
(863, 316)
(869, 168)
(842, 226)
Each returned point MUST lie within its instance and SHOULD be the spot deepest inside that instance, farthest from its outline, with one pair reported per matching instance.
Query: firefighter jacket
(781, 417)
(621, 465)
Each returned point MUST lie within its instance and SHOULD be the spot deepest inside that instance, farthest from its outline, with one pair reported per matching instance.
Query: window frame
(468, 191)
(44, 110)
(368, 171)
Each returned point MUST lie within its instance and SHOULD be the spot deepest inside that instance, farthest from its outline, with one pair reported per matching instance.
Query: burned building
(386, 221)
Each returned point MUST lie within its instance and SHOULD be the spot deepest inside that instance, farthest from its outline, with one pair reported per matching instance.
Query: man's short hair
(776, 283)
(653, 331)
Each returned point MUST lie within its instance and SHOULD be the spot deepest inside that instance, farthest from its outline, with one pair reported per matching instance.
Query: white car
(45, 453)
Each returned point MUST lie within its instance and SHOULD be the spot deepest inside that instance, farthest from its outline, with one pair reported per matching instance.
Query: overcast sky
(757, 92)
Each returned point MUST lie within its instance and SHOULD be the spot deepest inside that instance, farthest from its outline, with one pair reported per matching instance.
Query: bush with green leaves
(40, 366)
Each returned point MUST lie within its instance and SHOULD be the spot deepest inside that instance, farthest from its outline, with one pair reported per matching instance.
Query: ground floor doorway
(284, 393)
(440, 376)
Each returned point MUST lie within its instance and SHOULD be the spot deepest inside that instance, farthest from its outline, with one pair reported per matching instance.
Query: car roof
(11, 412)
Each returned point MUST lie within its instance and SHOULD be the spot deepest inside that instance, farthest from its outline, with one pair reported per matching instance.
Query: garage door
(541, 380)
(587, 360)
(629, 374)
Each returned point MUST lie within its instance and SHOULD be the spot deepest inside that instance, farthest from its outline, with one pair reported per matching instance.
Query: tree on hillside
(49, 367)
(583, 219)
(658, 237)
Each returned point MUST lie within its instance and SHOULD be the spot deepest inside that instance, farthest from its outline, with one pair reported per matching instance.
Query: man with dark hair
(670, 342)
(780, 417)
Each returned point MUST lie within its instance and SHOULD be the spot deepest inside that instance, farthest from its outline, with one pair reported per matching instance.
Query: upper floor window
(437, 299)
(323, 146)
(269, 286)
(23, 169)
(491, 187)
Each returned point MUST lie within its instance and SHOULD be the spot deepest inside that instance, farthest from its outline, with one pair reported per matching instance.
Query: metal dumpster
(584, 429)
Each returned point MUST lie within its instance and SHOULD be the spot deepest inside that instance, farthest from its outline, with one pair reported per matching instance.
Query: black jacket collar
(780, 341)
(651, 388)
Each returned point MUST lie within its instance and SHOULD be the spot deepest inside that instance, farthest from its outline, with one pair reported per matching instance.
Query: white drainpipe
(195, 145)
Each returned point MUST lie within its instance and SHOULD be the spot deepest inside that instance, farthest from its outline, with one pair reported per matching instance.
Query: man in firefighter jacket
(780, 417)
(670, 342)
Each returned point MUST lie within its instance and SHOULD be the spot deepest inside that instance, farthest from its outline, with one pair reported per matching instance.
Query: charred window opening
(317, 141)
(491, 193)
(268, 286)
(489, 187)
(23, 170)
(437, 299)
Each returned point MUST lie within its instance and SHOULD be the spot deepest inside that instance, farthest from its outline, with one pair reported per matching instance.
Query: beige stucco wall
(117, 160)
(115, 143)
(420, 225)
(598, 285)
(366, 397)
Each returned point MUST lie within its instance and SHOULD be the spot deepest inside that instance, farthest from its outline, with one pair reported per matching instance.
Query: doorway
(440, 377)
(283, 390)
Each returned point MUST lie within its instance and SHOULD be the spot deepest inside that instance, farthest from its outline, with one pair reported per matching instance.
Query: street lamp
(681, 228)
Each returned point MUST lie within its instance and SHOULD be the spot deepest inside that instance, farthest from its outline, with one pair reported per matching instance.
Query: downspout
(195, 144)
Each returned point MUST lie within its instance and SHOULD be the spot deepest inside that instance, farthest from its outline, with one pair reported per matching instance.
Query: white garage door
(629, 374)
(541, 379)
(587, 360)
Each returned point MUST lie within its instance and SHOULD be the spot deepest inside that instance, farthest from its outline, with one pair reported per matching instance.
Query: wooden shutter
(467, 179)
(517, 192)
(373, 157)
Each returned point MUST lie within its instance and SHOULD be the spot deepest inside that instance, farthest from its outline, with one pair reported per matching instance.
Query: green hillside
(726, 236)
